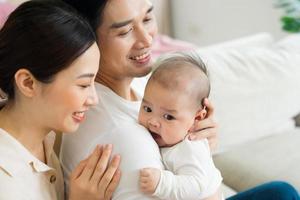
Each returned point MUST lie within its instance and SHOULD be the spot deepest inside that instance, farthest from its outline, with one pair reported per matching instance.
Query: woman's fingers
(102, 164)
(108, 177)
(91, 164)
(78, 170)
(113, 184)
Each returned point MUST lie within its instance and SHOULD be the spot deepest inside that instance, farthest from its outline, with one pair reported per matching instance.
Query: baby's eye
(168, 117)
(147, 109)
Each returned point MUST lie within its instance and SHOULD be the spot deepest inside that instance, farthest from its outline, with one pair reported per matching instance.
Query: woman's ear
(25, 82)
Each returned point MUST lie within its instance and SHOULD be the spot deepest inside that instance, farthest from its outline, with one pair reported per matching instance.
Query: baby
(171, 106)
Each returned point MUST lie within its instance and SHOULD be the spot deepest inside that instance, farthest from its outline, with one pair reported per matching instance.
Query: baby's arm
(189, 178)
(149, 179)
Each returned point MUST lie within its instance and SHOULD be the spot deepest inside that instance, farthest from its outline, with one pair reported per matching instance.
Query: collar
(15, 158)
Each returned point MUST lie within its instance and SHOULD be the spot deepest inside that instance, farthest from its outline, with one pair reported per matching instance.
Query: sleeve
(191, 173)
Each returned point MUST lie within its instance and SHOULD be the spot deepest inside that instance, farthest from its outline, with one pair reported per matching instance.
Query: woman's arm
(95, 178)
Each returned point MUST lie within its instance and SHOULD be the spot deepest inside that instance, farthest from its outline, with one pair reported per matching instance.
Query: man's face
(125, 38)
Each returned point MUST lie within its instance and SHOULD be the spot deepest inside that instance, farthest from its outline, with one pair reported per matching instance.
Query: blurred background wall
(205, 22)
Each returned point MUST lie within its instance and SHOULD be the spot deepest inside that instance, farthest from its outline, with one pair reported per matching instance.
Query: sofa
(256, 94)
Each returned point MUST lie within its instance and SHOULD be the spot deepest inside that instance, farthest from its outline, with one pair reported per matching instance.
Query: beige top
(23, 176)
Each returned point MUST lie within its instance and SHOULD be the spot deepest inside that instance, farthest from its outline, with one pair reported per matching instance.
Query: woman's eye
(84, 86)
(147, 109)
(147, 19)
(169, 117)
(125, 33)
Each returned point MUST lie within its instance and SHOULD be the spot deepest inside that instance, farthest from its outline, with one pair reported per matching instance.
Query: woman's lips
(78, 117)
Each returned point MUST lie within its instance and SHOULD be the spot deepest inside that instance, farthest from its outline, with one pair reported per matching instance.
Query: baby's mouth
(155, 135)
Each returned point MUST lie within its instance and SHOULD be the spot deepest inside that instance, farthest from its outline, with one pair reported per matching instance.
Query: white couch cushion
(272, 158)
(255, 90)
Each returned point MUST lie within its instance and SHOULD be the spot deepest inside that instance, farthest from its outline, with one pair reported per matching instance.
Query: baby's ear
(201, 114)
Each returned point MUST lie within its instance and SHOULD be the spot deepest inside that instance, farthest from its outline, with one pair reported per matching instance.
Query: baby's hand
(149, 179)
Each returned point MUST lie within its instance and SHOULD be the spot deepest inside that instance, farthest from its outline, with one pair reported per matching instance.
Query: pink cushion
(5, 10)
(164, 44)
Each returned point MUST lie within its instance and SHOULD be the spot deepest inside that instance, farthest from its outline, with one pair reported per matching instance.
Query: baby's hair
(183, 71)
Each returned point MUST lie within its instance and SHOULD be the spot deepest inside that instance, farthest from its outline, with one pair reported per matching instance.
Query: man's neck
(120, 86)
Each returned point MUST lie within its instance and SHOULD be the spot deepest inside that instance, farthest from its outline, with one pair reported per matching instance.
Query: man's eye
(147, 109)
(168, 117)
(125, 33)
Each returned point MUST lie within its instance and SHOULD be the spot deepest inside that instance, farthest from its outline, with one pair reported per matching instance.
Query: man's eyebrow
(117, 25)
(89, 75)
(120, 24)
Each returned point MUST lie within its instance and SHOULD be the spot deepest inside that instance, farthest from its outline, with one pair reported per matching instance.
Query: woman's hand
(206, 128)
(95, 178)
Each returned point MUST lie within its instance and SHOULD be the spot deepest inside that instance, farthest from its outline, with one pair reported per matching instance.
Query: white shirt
(114, 121)
(23, 176)
(192, 174)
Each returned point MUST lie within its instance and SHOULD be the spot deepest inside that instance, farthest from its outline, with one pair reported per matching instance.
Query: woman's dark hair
(42, 37)
(92, 10)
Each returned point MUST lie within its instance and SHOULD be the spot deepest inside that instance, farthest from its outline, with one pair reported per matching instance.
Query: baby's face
(167, 114)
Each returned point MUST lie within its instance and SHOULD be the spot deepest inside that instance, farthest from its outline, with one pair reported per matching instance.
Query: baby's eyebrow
(145, 101)
(170, 111)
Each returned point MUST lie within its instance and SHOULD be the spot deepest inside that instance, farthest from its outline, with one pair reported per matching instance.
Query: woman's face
(125, 38)
(63, 102)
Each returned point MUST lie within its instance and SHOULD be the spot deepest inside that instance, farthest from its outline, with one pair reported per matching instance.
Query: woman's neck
(23, 128)
(120, 86)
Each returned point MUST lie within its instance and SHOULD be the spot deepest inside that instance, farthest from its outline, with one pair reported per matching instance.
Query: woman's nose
(92, 97)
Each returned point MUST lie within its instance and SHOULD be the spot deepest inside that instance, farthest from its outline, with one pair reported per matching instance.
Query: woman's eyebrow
(150, 9)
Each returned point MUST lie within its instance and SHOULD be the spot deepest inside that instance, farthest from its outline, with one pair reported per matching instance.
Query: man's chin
(144, 73)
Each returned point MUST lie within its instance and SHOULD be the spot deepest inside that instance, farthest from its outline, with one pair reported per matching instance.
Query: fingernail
(192, 137)
(117, 157)
(108, 146)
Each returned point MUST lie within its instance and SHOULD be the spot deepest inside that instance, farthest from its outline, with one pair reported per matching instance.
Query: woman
(125, 31)
(48, 63)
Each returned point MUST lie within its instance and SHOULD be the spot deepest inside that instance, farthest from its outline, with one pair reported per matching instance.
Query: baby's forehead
(176, 74)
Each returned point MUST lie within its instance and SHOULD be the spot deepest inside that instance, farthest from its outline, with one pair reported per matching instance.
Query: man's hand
(206, 128)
